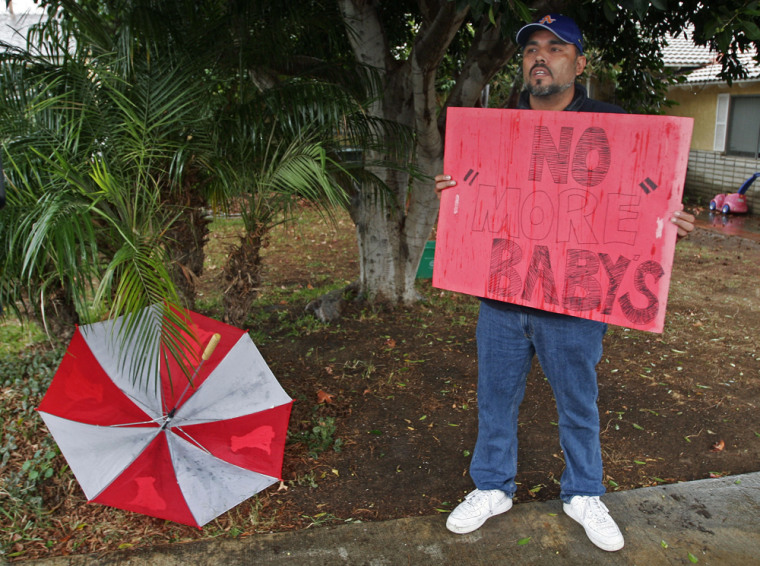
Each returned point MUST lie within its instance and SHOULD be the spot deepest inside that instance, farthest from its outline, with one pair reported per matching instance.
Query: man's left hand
(684, 221)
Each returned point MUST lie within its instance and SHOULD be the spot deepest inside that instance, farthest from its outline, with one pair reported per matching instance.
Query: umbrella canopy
(168, 450)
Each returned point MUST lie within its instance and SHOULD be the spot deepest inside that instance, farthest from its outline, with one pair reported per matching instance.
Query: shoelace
(474, 497)
(596, 511)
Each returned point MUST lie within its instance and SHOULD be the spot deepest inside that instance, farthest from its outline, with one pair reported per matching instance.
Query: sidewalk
(707, 522)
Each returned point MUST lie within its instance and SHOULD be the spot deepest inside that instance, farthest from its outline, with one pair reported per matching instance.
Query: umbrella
(173, 451)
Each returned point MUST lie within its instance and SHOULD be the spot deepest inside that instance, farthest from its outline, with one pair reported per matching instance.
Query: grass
(16, 336)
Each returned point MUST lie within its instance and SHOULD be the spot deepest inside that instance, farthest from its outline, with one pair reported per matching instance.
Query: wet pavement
(742, 225)
(706, 522)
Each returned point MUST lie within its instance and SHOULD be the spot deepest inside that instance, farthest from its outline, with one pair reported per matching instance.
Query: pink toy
(734, 202)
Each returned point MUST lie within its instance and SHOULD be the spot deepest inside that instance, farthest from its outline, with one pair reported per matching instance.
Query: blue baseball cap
(561, 26)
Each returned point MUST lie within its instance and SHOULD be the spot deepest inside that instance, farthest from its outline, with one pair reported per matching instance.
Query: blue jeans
(568, 349)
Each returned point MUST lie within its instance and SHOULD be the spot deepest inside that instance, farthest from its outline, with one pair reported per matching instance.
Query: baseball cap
(561, 26)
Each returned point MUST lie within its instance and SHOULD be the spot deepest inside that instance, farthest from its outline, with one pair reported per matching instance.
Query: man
(568, 348)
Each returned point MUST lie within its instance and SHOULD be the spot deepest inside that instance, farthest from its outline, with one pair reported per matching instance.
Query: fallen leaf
(390, 342)
(718, 446)
(324, 397)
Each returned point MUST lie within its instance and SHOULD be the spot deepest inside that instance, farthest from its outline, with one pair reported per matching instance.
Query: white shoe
(594, 517)
(477, 507)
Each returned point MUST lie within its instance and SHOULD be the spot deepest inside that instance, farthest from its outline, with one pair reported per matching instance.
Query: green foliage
(628, 36)
(159, 105)
(25, 378)
(320, 434)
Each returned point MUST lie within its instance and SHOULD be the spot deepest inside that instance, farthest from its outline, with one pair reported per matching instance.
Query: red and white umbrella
(187, 454)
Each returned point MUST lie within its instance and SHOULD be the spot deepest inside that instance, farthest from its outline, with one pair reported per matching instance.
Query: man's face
(550, 65)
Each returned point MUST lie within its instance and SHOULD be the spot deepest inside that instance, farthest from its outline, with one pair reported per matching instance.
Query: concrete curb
(715, 521)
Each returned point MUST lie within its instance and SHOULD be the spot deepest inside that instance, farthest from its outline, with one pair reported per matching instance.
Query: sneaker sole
(497, 511)
(609, 547)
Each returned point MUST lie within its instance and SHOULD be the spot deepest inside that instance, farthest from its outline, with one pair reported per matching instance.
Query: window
(742, 126)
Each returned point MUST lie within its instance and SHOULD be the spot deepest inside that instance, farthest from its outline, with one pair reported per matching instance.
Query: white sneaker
(594, 517)
(476, 508)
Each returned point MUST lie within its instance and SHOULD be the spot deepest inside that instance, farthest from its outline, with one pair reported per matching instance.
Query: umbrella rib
(195, 442)
(138, 423)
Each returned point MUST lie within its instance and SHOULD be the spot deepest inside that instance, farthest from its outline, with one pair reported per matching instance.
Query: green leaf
(610, 10)
(693, 559)
(752, 31)
(640, 6)
(523, 11)
(663, 544)
(523, 541)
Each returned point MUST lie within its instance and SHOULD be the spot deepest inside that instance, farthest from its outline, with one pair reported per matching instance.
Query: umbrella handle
(211, 346)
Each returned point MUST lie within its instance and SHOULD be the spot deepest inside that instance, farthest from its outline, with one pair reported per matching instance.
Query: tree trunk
(59, 317)
(242, 274)
(186, 239)
(392, 233)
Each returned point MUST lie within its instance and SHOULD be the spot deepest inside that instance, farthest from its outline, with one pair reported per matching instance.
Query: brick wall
(710, 173)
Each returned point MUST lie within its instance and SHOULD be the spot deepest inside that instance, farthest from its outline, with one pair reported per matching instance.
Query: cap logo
(547, 20)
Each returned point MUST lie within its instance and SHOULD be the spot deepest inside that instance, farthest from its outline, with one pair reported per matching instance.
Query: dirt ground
(390, 395)
(678, 406)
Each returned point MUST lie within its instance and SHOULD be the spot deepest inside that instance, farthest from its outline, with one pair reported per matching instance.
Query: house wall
(699, 102)
(710, 172)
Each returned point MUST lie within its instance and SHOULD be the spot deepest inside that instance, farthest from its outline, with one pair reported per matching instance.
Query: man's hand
(684, 221)
(443, 182)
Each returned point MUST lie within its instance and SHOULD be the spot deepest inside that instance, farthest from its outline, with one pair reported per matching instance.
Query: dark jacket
(581, 103)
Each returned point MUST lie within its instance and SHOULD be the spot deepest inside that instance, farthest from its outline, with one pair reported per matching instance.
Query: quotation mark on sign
(470, 172)
(647, 185)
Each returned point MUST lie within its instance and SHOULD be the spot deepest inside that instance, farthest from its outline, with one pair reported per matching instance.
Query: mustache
(541, 66)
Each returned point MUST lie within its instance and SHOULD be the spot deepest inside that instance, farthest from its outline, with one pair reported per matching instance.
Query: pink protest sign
(563, 211)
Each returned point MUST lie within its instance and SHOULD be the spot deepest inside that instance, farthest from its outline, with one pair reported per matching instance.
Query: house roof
(14, 27)
(681, 51)
(699, 62)
(709, 73)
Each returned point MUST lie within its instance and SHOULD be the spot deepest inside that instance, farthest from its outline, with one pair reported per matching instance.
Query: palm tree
(111, 128)
(92, 156)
